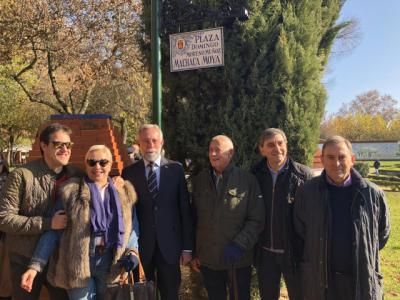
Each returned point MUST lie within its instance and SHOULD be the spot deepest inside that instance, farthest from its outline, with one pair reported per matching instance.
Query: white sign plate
(196, 49)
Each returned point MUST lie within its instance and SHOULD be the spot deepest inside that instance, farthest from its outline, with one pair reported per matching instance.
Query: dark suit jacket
(166, 219)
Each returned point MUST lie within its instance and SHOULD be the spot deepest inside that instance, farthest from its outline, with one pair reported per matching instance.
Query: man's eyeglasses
(93, 162)
(59, 145)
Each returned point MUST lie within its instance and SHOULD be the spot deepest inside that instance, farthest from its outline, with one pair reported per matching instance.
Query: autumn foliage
(369, 116)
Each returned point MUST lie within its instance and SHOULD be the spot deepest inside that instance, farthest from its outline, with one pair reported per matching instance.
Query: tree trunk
(10, 156)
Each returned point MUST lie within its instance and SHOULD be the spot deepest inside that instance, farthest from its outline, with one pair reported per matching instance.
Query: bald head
(223, 140)
(220, 152)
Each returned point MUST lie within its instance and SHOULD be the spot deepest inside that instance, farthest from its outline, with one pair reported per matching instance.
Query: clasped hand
(59, 220)
(129, 262)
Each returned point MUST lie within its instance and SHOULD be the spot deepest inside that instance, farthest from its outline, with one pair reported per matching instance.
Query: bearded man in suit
(163, 211)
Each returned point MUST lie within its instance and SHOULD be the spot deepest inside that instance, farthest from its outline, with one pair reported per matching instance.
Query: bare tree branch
(31, 63)
(71, 102)
(32, 99)
(56, 91)
(348, 38)
(86, 98)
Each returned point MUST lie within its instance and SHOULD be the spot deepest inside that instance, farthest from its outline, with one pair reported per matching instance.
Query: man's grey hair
(335, 140)
(269, 133)
(102, 148)
(151, 126)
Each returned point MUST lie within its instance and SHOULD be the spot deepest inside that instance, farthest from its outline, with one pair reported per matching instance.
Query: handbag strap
(142, 275)
(126, 280)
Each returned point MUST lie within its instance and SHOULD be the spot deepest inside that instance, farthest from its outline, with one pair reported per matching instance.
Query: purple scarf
(106, 217)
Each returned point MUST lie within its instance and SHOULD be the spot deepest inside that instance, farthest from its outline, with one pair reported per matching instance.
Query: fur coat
(69, 267)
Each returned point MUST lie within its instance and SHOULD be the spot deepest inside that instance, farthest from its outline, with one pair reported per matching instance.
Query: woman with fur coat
(99, 232)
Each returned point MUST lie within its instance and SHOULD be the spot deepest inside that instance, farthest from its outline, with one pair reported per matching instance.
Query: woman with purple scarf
(99, 237)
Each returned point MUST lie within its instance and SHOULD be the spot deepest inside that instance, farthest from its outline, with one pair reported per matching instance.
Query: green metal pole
(156, 61)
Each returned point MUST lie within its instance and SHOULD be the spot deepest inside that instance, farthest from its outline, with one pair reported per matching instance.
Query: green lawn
(389, 165)
(390, 255)
(385, 165)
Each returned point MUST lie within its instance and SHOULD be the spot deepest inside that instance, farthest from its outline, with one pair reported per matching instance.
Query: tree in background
(371, 103)
(72, 47)
(129, 107)
(19, 118)
(361, 127)
(347, 39)
(274, 63)
(370, 116)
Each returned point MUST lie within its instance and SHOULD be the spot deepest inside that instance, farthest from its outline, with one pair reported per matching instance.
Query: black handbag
(136, 291)
(131, 290)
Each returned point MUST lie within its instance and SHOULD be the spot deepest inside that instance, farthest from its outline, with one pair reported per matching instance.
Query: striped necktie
(152, 181)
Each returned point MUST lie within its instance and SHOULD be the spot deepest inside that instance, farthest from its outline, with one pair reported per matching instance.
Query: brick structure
(88, 130)
(317, 163)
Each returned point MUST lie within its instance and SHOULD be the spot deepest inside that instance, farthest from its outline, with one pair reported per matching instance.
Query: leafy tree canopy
(19, 118)
(72, 47)
(370, 116)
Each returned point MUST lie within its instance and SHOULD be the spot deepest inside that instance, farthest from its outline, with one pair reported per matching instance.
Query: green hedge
(393, 185)
(362, 168)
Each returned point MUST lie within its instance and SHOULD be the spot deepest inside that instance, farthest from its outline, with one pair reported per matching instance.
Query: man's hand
(129, 262)
(186, 257)
(59, 220)
(27, 279)
(233, 253)
(195, 263)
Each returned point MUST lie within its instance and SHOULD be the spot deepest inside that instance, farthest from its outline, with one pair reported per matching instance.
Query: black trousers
(217, 282)
(20, 294)
(341, 286)
(270, 267)
(168, 275)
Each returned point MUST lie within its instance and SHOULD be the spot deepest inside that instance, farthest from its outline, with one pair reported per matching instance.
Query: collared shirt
(275, 174)
(218, 181)
(156, 168)
(345, 183)
(217, 178)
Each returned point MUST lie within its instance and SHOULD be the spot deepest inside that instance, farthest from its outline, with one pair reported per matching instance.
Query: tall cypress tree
(274, 63)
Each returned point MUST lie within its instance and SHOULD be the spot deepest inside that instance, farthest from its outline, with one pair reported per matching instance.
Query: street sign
(196, 49)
